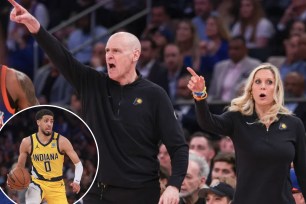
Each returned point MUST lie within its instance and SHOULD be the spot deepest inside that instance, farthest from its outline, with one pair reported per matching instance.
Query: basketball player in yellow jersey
(47, 149)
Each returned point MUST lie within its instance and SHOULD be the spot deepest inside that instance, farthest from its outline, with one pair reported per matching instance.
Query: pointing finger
(192, 72)
(14, 3)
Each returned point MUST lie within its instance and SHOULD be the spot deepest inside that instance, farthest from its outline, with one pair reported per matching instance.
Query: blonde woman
(266, 137)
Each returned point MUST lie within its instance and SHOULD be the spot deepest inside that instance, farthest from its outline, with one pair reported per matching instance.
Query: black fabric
(112, 194)
(263, 155)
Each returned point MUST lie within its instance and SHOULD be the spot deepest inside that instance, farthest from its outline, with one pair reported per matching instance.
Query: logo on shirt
(282, 126)
(137, 101)
(53, 145)
(37, 146)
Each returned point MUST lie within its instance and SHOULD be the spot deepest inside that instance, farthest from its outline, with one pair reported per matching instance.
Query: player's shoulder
(60, 137)
(27, 141)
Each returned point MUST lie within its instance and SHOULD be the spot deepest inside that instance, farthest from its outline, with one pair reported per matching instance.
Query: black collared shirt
(263, 155)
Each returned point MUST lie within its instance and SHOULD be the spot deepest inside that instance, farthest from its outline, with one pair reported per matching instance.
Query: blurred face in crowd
(237, 50)
(294, 85)
(164, 158)
(147, 53)
(159, 39)
(201, 146)
(212, 198)
(172, 58)
(226, 145)
(222, 169)
(302, 46)
(158, 15)
(182, 89)
(292, 46)
(192, 181)
(246, 8)
(99, 52)
(297, 28)
(202, 7)
(211, 27)
(183, 32)
(263, 88)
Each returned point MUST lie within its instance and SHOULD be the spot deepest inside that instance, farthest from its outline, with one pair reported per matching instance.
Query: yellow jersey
(46, 159)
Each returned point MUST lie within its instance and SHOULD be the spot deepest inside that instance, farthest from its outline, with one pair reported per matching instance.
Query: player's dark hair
(43, 112)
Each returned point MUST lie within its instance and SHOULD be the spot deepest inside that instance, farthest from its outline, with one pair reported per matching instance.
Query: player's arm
(66, 147)
(21, 88)
(24, 150)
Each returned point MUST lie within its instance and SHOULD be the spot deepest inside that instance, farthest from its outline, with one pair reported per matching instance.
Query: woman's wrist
(200, 95)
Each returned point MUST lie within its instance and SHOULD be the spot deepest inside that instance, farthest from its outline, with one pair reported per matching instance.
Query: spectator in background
(251, 24)
(75, 104)
(185, 111)
(296, 190)
(298, 27)
(223, 165)
(295, 11)
(51, 87)
(20, 43)
(229, 74)
(302, 47)
(149, 67)
(98, 61)
(194, 180)
(225, 8)
(294, 86)
(203, 146)
(226, 145)
(296, 54)
(173, 61)
(292, 59)
(83, 33)
(161, 39)
(218, 193)
(202, 10)
(160, 20)
(201, 143)
(164, 159)
(295, 27)
(215, 49)
(187, 40)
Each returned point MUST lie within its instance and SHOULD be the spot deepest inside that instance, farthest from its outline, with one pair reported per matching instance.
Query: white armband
(78, 171)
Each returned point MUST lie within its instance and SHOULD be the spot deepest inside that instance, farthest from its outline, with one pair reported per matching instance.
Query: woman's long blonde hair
(245, 103)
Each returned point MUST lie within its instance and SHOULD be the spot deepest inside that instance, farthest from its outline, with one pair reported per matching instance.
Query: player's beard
(47, 133)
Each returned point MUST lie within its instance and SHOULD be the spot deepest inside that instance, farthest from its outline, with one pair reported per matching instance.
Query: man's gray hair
(204, 168)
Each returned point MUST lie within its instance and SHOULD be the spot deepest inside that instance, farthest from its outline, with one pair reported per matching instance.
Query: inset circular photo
(47, 155)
